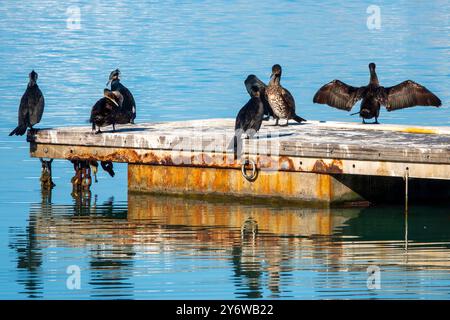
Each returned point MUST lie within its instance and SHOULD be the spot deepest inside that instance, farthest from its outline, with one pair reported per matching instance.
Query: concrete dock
(324, 162)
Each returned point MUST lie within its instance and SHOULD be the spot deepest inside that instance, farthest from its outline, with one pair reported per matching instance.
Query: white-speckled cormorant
(407, 94)
(31, 106)
(253, 80)
(104, 111)
(128, 110)
(249, 118)
(280, 99)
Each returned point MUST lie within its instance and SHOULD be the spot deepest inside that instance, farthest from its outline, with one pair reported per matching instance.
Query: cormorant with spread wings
(407, 94)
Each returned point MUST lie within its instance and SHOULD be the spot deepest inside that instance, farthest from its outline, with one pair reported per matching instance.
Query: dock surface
(316, 147)
(322, 162)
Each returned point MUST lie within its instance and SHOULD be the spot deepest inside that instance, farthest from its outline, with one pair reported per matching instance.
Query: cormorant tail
(298, 119)
(19, 131)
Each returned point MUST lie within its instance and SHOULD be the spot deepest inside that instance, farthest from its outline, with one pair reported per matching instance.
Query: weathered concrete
(164, 157)
(295, 186)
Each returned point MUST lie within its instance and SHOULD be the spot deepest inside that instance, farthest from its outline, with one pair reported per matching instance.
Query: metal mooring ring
(244, 171)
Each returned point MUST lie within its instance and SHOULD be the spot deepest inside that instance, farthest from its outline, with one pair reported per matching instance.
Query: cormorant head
(251, 77)
(251, 80)
(276, 70)
(113, 76)
(372, 66)
(33, 76)
(255, 91)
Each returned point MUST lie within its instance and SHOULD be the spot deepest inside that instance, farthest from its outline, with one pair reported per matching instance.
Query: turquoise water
(186, 60)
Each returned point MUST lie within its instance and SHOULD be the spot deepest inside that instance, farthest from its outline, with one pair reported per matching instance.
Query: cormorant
(280, 99)
(108, 167)
(407, 94)
(105, 110)
(253, 80)
(31, 106)
(128, 110)
(250, 117)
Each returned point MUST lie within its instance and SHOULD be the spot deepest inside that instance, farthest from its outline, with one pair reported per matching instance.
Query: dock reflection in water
(167, 247)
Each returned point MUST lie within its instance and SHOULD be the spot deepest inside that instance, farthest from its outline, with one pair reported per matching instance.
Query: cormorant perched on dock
(250, 117)
(253, 80)
(280, 99)
(128, 110)
(105, 110)
(407, 94)
(31, 106)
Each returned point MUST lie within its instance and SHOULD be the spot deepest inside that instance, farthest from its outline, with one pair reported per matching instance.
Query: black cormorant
(31, 106)
(280, 99)
(249, 118)
(339, 95)
(253, 80)
(105, 110)
(128, 110)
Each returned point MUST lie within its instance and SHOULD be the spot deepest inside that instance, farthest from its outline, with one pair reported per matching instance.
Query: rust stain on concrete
(286, 163)
(323, 187)
(195, 180)
(335, 167)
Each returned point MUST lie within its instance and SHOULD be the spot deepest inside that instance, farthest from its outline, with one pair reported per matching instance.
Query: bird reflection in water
(246, 264)
(26, 244)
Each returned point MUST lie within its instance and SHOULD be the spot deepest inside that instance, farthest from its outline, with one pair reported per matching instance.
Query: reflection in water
(111, 270)
(246, 266)
(29, 256)
(169, 247)
(82, 202)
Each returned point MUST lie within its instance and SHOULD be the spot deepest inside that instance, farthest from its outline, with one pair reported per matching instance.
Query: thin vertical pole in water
(406, 229)
(406, 188)
(406, 208)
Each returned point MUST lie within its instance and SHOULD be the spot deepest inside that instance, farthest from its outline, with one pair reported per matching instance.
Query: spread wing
(339, 95)
(407, 94)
